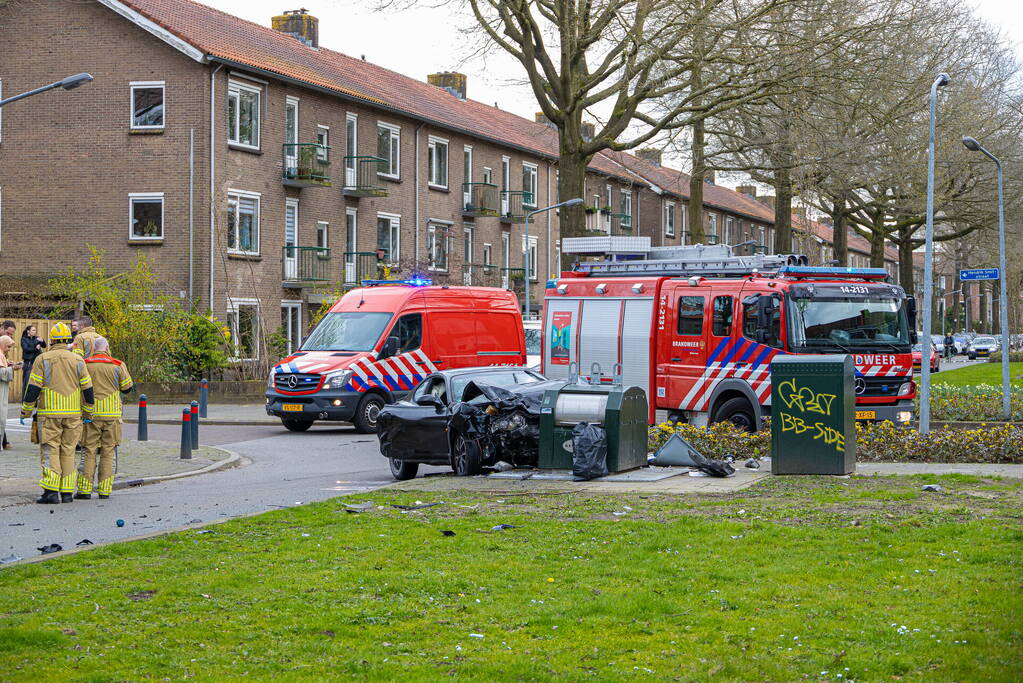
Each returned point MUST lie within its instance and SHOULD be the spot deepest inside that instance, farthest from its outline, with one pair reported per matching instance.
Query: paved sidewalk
(216, 414)
(138, 462)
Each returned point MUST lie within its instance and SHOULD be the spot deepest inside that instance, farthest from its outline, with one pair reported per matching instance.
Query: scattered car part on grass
(502, 527)
(417, 506)
(931, 487)
(676, 452)
(355, 508)
(447, 532)
(51, 548)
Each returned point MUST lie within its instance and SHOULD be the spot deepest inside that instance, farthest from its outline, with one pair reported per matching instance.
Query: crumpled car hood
(527, 397)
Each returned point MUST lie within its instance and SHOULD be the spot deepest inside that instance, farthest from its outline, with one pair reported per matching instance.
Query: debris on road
(119, 522)
(752, 464)
(84, 541)
(9, 559)
(52, 548)
(931, 487)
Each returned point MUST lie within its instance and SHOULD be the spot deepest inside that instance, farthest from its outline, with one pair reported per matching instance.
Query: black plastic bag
(589, 452)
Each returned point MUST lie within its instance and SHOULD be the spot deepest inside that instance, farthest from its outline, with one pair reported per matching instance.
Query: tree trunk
(571, 183)
(877, 245)
(694, 212)
(906, 262)
(840, 240)
(782, 211)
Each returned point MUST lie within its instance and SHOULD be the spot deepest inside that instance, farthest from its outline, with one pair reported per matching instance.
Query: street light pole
(525, 256)
(1003, 304)
(925, 368)
(69, 83)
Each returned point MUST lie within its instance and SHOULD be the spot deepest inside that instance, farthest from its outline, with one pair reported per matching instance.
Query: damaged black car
(467, 419)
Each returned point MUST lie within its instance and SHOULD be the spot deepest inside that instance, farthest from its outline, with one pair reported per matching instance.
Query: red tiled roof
(827, 233)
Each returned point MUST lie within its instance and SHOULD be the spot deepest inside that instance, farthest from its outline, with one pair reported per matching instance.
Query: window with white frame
(712, 224)
(291, 324)
(147, 112)
(351, 245)
(529, 184)
(437, 162)
(389, 236)
(488, 254)
(243, 114)
(243, 222)
(729, 231)
(488, 175)
(466, 175)
(388, 147)
(468, 242)
(608, 192)
(243, 322)
(323, 143)
(529, 250)
(626, 217)
(351, 148)
(669, 219)
(437, 245)
(145, 215)
(322, 234)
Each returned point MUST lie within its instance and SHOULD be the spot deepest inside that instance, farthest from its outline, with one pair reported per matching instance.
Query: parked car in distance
(935, 360)
(962, 342)
(415, 431)
(534, 337)
(939, 343)
(982, 347)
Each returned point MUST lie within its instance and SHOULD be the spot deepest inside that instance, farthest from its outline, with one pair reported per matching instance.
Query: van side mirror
(911, 314)
(765, 309)
(391, 347)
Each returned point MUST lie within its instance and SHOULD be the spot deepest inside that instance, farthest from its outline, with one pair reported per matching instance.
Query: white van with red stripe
(698, 328)
(378, 342)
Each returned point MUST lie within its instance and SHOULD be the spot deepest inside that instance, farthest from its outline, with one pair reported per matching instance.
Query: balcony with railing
(481, 275)
(306, 165)
(481, 199)
(514, 279)
(359, 266)
(515, 204)
(361, 178)
(305, 266)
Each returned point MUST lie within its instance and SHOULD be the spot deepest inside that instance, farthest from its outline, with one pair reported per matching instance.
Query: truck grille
(288, 381)
(879, 386)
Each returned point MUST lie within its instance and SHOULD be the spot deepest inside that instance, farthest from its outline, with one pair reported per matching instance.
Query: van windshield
(347, 332)
(848, 323)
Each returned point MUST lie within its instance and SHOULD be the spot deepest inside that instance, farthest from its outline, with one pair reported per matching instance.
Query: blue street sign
(979, 274)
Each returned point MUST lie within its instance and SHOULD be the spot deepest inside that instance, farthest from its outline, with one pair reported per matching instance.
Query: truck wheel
(467, 461)
(366, 414)
(296, 425)
(401, 470)
(739, 412)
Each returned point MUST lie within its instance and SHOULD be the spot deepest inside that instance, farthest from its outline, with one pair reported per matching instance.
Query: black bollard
(186, 434)
(143, 419)
(204, 396)
(194, 420)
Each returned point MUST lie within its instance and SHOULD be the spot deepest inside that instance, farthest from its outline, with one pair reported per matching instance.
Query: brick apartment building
(260, 172)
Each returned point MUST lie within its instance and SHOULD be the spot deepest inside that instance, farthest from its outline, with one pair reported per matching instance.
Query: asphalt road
(284, 469)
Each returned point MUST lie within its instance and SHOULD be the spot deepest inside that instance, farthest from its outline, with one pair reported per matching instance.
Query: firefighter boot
(67, 497)
(83, 496)
(49, 497)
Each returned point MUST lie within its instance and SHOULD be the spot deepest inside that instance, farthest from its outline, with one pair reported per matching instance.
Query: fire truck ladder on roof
(684, 265)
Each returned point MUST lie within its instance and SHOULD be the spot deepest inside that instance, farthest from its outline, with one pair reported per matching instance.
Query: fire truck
(698, 326)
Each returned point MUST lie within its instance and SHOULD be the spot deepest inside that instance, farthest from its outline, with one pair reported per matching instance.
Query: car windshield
(347, 332)
(504, 378)
(984, 341)
(533, 337)
(848, 322)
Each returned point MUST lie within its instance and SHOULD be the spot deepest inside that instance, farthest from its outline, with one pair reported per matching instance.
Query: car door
(431, 439)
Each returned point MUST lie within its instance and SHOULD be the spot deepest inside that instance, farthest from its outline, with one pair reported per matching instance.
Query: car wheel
(296, 425)
(972, 357)
(739, 412)
(366, 414)
(401, 470)
(466, 457)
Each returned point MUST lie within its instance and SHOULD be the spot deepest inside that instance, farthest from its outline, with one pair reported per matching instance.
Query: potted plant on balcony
(605, 210)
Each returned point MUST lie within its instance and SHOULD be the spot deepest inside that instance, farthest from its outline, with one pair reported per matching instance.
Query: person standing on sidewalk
(85, 340)
(31, 347)
(101, 437)
(60, 390)
(6, 377)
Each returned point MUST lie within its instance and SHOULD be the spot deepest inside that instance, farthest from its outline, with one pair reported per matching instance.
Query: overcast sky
(426, 40)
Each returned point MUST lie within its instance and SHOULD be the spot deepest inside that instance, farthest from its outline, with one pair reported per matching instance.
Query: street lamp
(925, 368)
(69, 83)
(1003, 307)
(568, 202)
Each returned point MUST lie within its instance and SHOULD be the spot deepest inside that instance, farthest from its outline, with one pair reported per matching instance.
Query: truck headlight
(904, 415)
(337, 380)
(907, 388)
(270, 380)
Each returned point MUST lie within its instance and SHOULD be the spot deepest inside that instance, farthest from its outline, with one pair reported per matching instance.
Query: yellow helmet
(61, 332)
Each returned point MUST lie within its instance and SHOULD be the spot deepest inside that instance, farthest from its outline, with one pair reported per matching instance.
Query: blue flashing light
(551, 284)
(833, 271)
(411, 282)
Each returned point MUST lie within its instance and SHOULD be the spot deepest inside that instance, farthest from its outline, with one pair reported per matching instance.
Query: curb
(231, 460)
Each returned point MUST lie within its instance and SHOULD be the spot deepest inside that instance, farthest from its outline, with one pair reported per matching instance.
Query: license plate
(865, 414)
(292, 407)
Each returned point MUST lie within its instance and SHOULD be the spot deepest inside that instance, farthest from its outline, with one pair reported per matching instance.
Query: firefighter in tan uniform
(85, 340)
(101, 437)
(60, 389)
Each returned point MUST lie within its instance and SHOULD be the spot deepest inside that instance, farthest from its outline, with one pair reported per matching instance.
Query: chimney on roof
(452, 81)
(651, 155)
(751, 190)
(540, 117)
(299, 24)
(767, 199)
(588, 130)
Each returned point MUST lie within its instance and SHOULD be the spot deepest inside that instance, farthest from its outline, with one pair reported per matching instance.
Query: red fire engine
(697, 327)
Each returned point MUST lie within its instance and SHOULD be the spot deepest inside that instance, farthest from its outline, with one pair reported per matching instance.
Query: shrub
(199, 345)
(716, 441)
(1014, 357)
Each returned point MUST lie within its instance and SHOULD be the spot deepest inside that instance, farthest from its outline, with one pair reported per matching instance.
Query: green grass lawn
(797, 578)
(980, 373)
